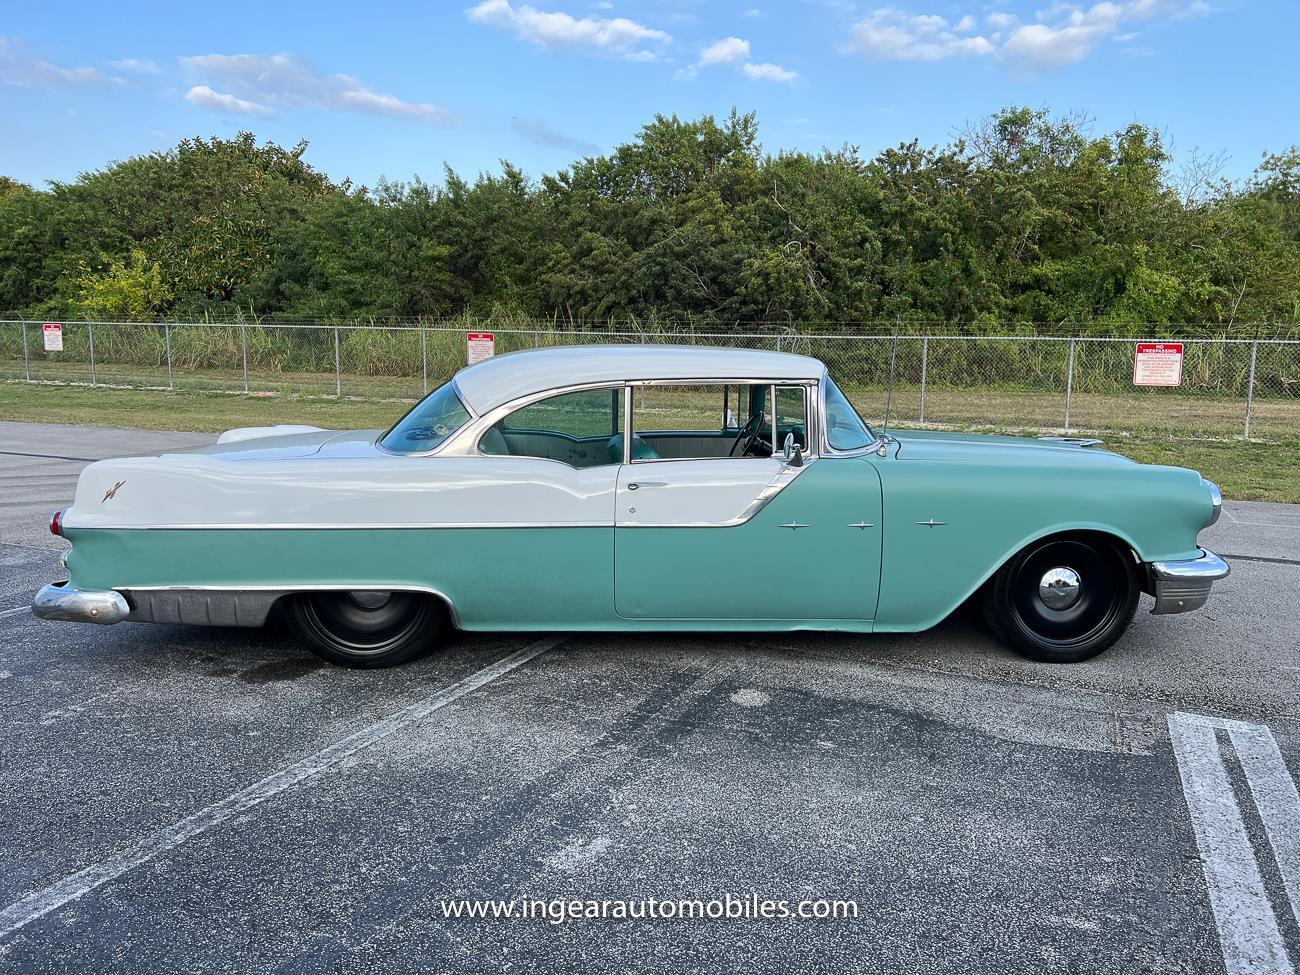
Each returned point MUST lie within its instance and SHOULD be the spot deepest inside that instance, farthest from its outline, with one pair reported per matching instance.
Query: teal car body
(611, 523)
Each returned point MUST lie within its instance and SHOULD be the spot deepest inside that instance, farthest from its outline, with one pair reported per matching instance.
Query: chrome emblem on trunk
(111, 492)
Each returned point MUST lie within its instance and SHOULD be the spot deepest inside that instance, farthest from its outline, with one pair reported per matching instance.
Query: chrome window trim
(464, 442)
(465, 404)
(690, 460)
(810, 398)
(455, 388)
(870, 448)
(627, 425)
(809, 386)
(478, 440)
(732, 381)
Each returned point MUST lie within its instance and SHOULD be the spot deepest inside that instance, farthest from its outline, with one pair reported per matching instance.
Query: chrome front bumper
(60, 601)
(1180, 587)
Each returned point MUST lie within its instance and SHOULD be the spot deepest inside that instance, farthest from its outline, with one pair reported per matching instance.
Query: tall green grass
(436, 351)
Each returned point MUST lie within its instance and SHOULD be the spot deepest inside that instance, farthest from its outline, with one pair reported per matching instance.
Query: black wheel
(1063, 600)
(367, 628)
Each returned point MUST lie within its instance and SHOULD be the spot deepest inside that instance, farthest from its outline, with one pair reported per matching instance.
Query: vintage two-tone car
(634, 488)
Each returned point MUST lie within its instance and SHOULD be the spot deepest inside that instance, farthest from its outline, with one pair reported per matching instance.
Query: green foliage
(1027, 221)
(131, 290)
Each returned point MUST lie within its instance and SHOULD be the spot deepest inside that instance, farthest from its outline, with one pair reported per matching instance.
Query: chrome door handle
(636, 485)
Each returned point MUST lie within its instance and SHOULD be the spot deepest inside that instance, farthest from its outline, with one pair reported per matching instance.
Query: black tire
(367, 628)
(1102, 580)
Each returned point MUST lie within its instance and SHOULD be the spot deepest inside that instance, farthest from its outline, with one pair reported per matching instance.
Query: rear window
(429, 424)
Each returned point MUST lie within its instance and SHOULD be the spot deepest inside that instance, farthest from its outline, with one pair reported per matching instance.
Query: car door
(743, 538)
(542, 481)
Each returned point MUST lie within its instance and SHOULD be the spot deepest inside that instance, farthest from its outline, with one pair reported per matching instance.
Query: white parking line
(1248, 930)
(5, 614)
(1276, 799)
(41, 902)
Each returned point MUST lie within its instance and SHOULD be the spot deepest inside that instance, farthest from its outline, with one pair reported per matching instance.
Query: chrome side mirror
(792, 453)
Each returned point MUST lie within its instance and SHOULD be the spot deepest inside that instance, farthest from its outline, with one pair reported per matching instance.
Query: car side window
(581, 429)
(701, 420)
(791, 416)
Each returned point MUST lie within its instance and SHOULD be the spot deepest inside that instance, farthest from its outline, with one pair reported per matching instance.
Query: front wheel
(1063, 600)
(367, 628)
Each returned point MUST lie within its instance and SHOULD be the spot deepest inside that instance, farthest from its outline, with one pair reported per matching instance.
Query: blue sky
(399, 89)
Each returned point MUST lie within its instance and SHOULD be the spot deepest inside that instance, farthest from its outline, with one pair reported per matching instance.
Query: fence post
(243, 338)
(1069, 387)
(338, 375)
(27, 364)
(90, 331)
(1250, 386)
(424, 357)
(925, 357)
(167, 342)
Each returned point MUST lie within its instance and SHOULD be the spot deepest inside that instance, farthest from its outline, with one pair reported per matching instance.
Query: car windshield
(433, 420)
(844, 428)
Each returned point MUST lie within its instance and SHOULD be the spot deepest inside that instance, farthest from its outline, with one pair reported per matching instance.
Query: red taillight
(56, 522)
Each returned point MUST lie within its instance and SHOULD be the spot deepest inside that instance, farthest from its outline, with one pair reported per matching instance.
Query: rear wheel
(367, 628)
(1063, 600)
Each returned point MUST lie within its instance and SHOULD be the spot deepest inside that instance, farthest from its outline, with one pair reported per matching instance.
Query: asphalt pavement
(184, 799)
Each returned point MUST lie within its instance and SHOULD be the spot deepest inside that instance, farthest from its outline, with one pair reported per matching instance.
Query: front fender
(984, 515)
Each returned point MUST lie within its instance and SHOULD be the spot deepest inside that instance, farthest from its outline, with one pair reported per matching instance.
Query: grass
(1246, 470)
(200, 412)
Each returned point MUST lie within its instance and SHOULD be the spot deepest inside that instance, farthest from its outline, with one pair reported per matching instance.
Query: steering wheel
(747, 435)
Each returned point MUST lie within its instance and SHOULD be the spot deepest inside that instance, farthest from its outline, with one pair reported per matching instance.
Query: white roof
(492, 382)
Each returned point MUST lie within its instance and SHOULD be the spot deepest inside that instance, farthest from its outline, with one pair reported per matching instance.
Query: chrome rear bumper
(1180, 587)
(60, 601)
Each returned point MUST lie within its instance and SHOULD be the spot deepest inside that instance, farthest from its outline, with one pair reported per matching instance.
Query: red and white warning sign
(53, 337)
(1158, 364)
(482, 345)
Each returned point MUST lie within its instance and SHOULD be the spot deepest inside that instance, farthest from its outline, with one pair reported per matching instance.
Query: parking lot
(191, 799)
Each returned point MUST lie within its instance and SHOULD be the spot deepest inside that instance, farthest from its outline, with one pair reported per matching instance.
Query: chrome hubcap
(1059, 588)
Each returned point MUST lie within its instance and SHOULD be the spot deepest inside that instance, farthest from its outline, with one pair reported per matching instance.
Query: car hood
(984, 448)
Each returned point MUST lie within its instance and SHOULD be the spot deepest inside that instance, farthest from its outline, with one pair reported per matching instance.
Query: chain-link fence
(1230, 387)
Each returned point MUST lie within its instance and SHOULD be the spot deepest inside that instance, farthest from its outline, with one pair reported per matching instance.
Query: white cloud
(1064, 34)
(735, 50)
(768, 72)
(284, 80)
(887, 34)
(725, 51)
(21, 67)
(752, 12)
(535, 130)
(138, 65)
(616, 36)
(1041, 47)
(221, 102)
